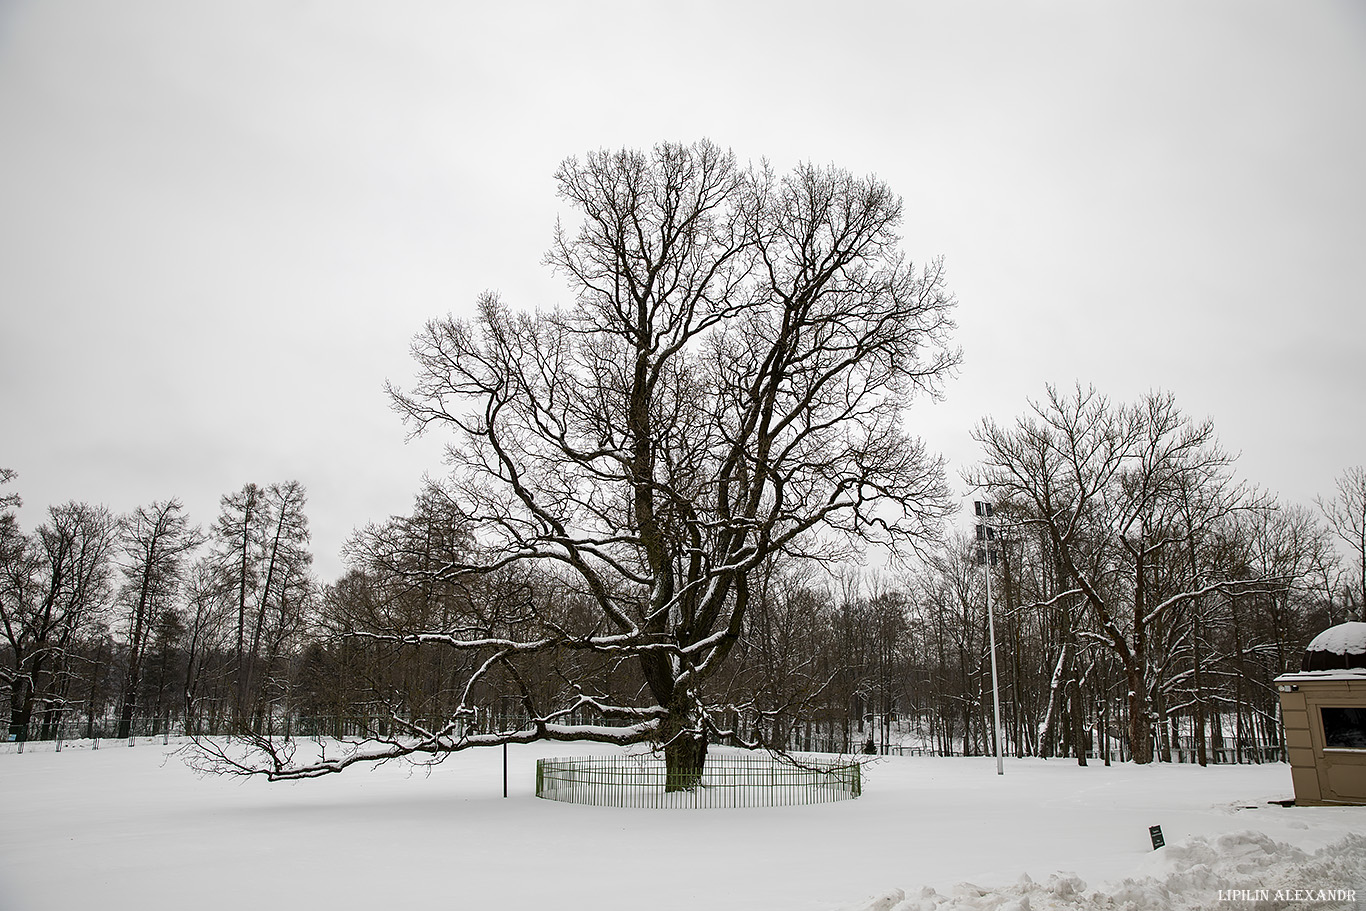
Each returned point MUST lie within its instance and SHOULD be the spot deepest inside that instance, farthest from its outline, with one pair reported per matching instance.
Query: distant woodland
(146, 623)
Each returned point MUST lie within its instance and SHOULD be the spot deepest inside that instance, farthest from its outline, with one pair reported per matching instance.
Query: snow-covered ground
(134, 828)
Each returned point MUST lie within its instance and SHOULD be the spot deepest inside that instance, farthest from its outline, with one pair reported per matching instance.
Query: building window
(1344, 728)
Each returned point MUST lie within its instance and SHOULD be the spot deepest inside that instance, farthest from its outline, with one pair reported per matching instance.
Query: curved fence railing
(726, 780)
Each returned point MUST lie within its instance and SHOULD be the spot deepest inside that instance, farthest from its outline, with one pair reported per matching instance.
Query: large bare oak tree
(727, 384)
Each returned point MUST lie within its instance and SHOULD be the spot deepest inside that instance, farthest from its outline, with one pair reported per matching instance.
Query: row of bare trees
(1126, 523)
(853, 662)
(115, 623)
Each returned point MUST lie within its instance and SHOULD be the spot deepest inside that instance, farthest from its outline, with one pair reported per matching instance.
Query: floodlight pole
(995, 684)
(987, 534)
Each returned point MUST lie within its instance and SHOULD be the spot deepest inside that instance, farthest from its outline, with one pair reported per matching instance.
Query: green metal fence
(726, 780)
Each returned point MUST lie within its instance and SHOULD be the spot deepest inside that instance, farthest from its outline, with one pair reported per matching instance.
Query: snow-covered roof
(1343, 639)
(1347, 673)
(1338, 647)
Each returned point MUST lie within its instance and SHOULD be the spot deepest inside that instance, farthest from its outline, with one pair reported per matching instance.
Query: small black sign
(1156, 833)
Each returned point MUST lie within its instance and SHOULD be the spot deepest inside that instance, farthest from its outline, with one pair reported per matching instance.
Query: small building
(1323, 711)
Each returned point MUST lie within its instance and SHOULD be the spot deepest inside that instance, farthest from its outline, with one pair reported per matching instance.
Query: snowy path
(123, 828)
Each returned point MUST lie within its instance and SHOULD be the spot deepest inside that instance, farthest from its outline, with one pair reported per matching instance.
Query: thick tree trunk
(1140, 724)
(685, 746)
(21, 708)
(130, 702)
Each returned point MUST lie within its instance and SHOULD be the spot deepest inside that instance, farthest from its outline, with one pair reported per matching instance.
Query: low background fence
(726, 780)
(79, 736)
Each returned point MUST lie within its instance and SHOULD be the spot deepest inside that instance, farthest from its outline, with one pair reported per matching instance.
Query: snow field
(1238, 870)
(134, 828)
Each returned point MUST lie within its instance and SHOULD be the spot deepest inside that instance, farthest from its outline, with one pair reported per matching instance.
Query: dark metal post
(505, 768)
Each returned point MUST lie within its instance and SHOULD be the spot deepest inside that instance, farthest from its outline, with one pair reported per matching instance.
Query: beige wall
(1321, 775)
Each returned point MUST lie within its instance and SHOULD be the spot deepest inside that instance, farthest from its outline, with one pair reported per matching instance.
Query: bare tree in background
(1123, 492)
(53, 585)
(1346, 514)
(728, 385)
(262, 562)
(238, 537)
(209, 621)
(155, 540)
(8, 501)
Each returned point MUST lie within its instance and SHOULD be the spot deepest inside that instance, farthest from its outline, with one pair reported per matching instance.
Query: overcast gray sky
(221, 223)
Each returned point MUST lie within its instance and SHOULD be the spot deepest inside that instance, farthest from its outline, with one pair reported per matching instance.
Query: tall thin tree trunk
(1078, 723)
(1055, 687)
(1197, 683)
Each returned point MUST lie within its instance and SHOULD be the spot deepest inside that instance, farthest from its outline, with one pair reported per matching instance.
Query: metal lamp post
(986, 536)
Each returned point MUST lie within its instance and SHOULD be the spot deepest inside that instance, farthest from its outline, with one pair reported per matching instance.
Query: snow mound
(1246, 870)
